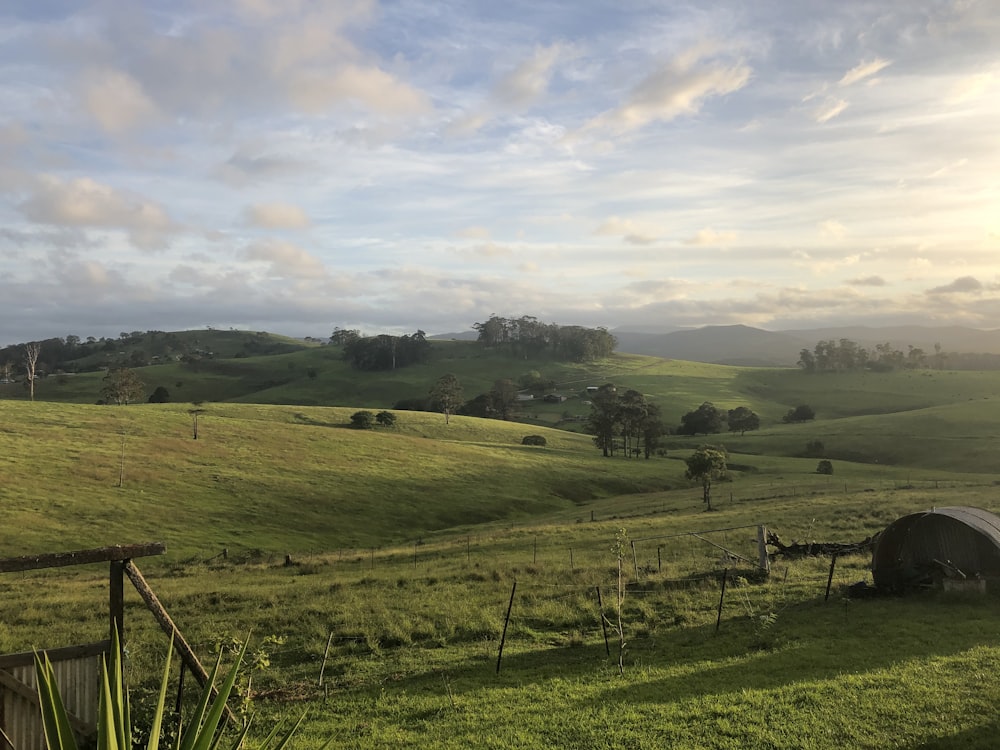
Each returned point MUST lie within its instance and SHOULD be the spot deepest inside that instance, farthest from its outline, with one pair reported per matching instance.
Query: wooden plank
(81, 557)
(160, 615)
(116, 600)
(27, 658)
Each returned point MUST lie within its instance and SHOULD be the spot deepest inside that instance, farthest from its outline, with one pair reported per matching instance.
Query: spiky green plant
(114, 722)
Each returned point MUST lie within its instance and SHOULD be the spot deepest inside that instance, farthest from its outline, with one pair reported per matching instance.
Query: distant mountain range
(748, 346)
(754, 347)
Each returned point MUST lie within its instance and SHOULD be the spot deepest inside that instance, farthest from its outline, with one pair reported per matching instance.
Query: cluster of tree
(846, 356)
(627, 422)
(382, 352)
(801, 413)
(366, 420)
(527, 337)
(708, 419)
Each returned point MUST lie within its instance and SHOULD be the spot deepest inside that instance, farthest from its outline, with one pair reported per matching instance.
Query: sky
(300, 165)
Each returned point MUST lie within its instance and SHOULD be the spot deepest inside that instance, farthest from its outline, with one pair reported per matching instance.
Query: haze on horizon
(292, 165)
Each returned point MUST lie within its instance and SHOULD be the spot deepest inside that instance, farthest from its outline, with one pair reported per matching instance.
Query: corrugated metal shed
(922, 548)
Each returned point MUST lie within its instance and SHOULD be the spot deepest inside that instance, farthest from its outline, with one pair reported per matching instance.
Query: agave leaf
(189, 735)
(108, 732)
(288, 735)
(55, 721)
(202, 736)
(161, 701)
(117, 696)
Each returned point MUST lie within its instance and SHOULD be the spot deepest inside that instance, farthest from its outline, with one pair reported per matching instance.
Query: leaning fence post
(604, 622)
(326, 654)
(503, 636)
(722, 596)
(829, 580)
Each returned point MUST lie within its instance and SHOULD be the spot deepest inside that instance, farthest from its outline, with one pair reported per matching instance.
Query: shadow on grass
(976, 738)
(810, 642)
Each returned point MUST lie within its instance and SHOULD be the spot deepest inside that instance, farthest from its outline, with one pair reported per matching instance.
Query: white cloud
(631, 231)
(707, 237)
(84, 202)
(116, 100)
(277, 216)
(473, 233)
(833, 229)
(285, 260)
(675, 88)
(528, 81)
(830, 108)
(863, 70)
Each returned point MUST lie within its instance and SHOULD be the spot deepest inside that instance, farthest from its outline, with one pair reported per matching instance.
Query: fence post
(764, 560)
(829, 580)
(604, 622)
(635, 561)
(722, 597)
(503, 636)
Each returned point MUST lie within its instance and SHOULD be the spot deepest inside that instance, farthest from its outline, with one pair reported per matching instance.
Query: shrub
(801, 413)
(533, 440)
(160, 396)
(386, 419)
(815, 448)
(362, 420)
(824, 467)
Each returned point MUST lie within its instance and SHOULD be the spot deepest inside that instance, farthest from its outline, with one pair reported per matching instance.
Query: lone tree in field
(503, 398)
(122, 387)
(446, 395)
(31, 352)
(386, 419)
(705, 465)
(742, 419)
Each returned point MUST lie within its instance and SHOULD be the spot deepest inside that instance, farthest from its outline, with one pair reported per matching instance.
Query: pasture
(405, 544)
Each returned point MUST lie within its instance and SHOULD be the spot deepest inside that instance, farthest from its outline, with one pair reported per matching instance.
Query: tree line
(526, 337)
(381, 352)
(847, 356)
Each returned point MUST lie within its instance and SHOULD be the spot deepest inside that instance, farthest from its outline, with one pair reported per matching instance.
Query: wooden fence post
(764, 560)
(829, 580)
(722, 597)
(604, 622)
(503, 636)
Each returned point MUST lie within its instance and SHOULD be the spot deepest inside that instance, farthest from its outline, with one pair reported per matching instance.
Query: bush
(533, 440)
(815, 448)
(801, 413)
(824, 467)
(386, 419)
(160, 396)
(362, 420)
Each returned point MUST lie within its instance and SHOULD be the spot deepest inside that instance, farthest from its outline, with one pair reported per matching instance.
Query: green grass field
(405, 545)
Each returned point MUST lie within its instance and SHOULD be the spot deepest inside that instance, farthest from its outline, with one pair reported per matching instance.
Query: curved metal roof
(979, 519)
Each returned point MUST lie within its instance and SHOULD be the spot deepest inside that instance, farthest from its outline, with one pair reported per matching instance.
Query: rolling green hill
(407, 544)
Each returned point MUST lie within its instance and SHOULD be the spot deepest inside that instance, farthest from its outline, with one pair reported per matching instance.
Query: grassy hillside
(406, 545)
(293, 478)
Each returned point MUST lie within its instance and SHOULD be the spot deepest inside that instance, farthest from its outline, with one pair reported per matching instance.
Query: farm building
(938, 546)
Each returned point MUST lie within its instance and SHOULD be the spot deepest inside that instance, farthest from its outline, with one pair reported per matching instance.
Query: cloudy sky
(295, 165)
